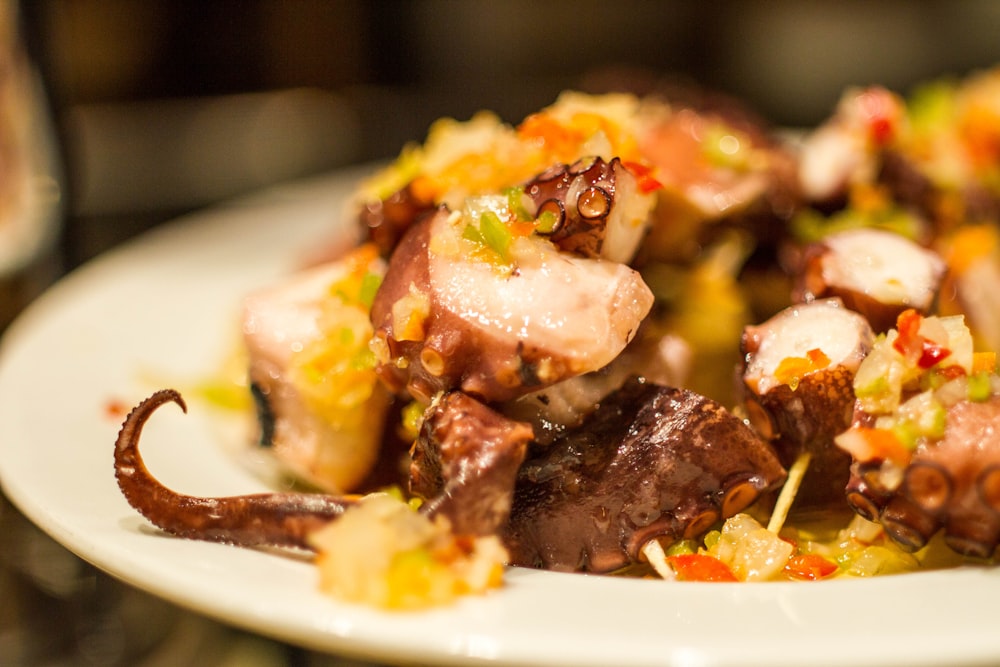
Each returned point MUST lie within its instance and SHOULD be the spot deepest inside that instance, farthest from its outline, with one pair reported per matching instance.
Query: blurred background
(156, 108)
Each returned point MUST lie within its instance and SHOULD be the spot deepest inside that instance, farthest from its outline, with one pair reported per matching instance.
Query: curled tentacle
(264, 519)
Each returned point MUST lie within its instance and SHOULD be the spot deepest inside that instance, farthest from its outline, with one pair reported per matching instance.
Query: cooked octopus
(597, 208)
(651, 463)
(874, 272)
(323, 423)
(678, 462)
(465, 461)
(798, 373)
(262, 519)
(952, 484)
(446, 321)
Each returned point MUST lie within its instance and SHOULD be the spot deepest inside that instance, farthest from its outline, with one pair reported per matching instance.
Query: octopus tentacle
(264, 519)
(596, 209)
(907, 523)
(951, 485)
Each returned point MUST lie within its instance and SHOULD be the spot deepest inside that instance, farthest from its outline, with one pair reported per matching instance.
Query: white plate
(165, 307)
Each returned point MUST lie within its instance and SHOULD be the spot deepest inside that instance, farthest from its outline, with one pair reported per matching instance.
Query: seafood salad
(636, 336)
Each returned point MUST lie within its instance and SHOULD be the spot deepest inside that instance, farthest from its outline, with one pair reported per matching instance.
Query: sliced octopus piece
(445, 321)
(749, 182)
(651, 462)
(848, 147)
(877, 273)
(331, 449)
(798, 389)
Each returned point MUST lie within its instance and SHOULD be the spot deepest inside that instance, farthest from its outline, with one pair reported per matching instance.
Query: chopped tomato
(809, 567)
(925, 353)
(700, 567)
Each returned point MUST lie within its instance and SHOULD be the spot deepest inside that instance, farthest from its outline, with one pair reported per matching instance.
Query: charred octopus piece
(652, 462)
(798, 389)
(951, 484)
(264, 519)
(596, 208)
(446, 320)
(465, 462)
(877, 273)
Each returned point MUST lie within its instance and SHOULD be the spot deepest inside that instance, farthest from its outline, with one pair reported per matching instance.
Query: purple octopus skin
(952, 485)
(264, 519)
(494, 335)
(581, 197)
(651, 462)
(465, 462)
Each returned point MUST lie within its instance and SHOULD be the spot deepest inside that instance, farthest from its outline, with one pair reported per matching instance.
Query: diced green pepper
(980, 387)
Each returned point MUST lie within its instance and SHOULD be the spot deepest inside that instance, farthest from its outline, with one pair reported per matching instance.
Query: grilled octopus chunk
(465, 461)
(798, 389)
(444, 320)
(334, 448)
(876, 273)
(650, 462)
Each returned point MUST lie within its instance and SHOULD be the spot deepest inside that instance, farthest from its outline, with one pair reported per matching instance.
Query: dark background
(378, 72)
(161, 107)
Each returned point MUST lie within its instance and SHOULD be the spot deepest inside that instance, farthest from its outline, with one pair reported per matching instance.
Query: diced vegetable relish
(383, 553)
(811, 549)
(909, 380)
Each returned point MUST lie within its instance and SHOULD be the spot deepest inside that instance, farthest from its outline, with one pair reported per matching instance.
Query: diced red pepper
(881, 114)
(644, 175)
(913, 346)
(809, 567)
(700, 567)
